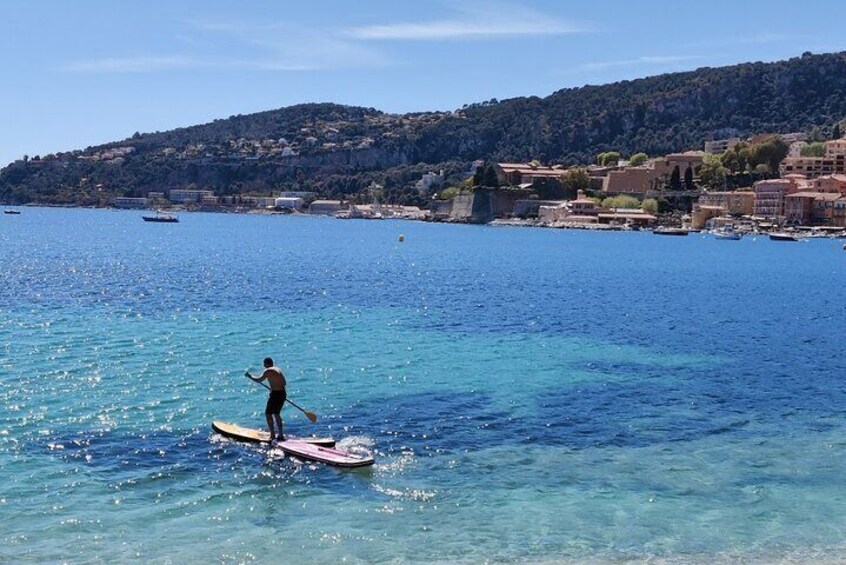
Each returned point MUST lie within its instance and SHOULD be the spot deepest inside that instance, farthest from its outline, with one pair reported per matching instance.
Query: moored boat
(782, 236)
(727, 233)
(161, 217)
(10, 211)
(670, 231)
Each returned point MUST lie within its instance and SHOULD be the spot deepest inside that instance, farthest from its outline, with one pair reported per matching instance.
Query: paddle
(310, 415)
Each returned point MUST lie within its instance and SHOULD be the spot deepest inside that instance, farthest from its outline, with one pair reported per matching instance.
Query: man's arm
(257, 379)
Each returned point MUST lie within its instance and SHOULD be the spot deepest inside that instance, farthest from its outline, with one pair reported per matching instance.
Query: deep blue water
(529, 394)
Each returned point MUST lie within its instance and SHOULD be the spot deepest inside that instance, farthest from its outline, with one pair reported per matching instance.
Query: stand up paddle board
(312, 452)
(240, 433)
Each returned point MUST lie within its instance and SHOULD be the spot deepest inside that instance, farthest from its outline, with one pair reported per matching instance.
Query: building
(769, 195)
(832, 163)
(720, 146)
(703, 214)
(738, 203)
(663, 167)
(130, 203)
(831, 183)
(326, 207)
(799, 208)
(838, 213)
(429, 182)
(626, 216)
(296, 194)
(527, 173)
(583, 206)
(289, 202)
(184, 196)
(631, 180)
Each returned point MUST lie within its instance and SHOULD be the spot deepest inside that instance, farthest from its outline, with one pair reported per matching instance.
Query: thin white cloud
(137, 64)
(639, 61)
(259, 47)
(473, 21)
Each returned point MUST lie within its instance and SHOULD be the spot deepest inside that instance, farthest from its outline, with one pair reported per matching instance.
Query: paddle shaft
(310, 415)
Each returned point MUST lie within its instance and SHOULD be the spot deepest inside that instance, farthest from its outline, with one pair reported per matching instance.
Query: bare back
(275, 377)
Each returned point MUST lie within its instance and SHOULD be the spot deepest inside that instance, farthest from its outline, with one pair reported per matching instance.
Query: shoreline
(801, 232)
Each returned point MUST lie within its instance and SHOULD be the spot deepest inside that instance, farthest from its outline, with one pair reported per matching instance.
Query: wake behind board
(240, 433)
(330, 456)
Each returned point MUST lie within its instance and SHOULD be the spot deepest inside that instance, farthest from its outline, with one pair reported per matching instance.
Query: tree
(650, 206)
(835, 132)
(815, 149)
(638, 159)
(712, 174)
(609, 159)
(490, 178)
(770, 153)
(688, 179)
(621, 201)
(575, 179)
(675, 179)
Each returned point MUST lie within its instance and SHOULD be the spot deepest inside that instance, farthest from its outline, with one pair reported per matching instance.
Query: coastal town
(803, 189)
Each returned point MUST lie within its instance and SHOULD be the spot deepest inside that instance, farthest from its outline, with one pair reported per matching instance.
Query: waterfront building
(626, 216)
(325, 207)
(583, 206)
(838, 212)
(770, 193)
(184, 196)
(737, 203)
(288, 202)
(130, 203)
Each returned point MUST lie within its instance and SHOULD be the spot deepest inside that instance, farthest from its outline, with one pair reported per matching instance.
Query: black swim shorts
(275, 402)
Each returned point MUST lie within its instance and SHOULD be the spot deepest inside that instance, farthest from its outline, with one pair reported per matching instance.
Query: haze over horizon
(93, 71)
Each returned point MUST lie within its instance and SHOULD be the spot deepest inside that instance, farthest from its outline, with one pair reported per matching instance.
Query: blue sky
(91, 71)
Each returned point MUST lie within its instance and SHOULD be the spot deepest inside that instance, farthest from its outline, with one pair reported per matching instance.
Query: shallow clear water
(530, 395)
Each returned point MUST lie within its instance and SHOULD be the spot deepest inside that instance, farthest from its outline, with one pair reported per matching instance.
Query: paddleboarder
(274, 376)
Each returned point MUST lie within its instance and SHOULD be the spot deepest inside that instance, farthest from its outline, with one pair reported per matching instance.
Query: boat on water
(783, 236)
(727, 233)
(161, 217)
(670, 231)
(10, 211)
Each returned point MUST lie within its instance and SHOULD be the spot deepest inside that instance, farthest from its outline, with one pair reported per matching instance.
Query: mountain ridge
(339, 150)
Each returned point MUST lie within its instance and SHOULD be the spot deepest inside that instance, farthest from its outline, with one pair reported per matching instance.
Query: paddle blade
(311, 416)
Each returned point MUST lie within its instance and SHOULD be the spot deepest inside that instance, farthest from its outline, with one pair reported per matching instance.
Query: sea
(530, 395)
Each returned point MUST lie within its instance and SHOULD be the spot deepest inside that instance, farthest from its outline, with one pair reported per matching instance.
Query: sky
(84, 72)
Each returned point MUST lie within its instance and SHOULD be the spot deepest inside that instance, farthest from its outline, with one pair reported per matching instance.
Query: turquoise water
(530, 395)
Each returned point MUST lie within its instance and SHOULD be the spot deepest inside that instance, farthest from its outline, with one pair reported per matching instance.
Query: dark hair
(268, 362)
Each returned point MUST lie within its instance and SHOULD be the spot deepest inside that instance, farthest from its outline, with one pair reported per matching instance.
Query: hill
(339, 150)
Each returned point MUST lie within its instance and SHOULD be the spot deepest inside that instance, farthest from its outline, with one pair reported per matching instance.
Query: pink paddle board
(328, 455)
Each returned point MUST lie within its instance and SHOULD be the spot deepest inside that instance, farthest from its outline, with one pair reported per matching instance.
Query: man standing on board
(274, 376)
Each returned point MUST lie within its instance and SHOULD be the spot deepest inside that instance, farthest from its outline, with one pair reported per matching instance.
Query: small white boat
(783, 236)
(727, 233)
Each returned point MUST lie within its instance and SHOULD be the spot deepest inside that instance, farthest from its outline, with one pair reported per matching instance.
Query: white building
(289, 202)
